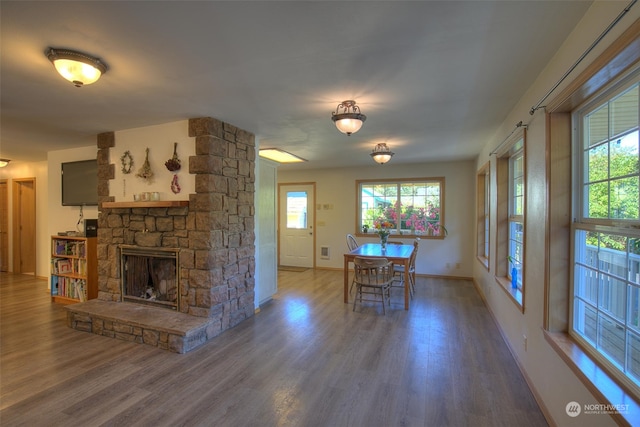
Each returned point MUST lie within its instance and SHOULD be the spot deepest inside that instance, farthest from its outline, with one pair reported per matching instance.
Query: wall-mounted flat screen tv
(80, 183)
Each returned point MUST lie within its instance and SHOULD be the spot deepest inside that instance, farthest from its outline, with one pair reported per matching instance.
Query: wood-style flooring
(306, 359)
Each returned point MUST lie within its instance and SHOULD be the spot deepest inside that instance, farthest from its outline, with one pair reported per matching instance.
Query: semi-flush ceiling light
(79, 68)
(381, 153)
(280, 156)
(4, 162)
(350, 120)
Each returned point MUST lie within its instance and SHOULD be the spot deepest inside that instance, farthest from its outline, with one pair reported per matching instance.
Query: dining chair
(373, 278)
(398, 270)
(352, 243)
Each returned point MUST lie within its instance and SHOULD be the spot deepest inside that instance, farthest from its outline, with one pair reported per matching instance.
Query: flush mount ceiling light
(350, 120)
(381, 153)
(280, 156)
(4, 162)
(77, 67)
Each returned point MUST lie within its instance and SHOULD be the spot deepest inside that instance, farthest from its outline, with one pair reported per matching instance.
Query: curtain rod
(518, 125)
(593, 45)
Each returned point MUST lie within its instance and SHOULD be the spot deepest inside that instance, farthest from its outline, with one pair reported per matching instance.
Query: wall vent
(324, 252)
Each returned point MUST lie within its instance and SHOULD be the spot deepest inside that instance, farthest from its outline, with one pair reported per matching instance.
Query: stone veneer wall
(215, 233)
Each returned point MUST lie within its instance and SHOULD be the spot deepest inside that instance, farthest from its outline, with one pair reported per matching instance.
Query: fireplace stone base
(165, 329)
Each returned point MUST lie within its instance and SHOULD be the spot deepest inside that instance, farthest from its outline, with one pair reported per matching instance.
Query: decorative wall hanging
(145, 171)
(175, 187)
(173, 164)
(127, 162)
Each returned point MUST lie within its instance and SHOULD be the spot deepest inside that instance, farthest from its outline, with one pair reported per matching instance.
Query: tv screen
(80, 183)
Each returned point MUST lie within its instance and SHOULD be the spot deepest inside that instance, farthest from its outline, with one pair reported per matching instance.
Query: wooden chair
(373, 279)
(352, 243)
(398, 270)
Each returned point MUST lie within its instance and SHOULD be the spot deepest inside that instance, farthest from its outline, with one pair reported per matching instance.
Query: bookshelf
(74, 269)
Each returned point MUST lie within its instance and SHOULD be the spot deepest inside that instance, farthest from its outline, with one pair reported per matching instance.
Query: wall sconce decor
(4, 162)
(79, 68)
(350, 120)
(381, 153)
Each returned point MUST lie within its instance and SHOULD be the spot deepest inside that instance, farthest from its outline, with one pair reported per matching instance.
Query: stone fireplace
(212, 234)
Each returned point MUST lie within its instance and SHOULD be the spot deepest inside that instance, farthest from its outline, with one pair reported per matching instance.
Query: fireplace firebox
(150, 276)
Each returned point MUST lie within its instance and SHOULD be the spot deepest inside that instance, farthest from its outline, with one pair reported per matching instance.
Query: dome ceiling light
(348, 118)
(77, 67)
(381, 153)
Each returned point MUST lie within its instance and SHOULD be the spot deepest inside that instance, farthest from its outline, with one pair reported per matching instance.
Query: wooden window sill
(514, 294)
(624, 409)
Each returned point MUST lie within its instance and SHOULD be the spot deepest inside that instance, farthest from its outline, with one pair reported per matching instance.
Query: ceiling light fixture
(4, 162)
(280, 156)
(381, 153)
(350, 120)
(79, 68)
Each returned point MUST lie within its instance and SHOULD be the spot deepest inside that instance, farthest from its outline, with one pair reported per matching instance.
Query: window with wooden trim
(483, 185)
(408, 207)
(511, 213)
(605, 304)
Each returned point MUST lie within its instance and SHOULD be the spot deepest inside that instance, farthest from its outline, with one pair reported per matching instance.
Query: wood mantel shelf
(154, 204)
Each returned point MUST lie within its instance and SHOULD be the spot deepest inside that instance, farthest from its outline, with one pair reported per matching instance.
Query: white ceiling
(435, 79)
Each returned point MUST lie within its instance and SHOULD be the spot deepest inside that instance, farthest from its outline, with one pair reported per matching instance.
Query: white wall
(550, 377)
(337, 187)
(159, 139)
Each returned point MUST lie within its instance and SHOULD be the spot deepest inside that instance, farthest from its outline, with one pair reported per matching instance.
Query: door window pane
(297, 209)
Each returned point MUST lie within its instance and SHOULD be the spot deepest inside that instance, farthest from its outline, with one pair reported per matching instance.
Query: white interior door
(296, 225)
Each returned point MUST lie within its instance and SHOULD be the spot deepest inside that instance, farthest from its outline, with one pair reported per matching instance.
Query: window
(605, 315)
(483, 184)
(511, 215)
(412, 207)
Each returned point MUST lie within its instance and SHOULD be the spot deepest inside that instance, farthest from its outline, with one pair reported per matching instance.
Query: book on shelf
(64, 266)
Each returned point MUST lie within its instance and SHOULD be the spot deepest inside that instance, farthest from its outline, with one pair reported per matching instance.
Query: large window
(606, 237)
(483, 184)
(511, 216)
(413, 207)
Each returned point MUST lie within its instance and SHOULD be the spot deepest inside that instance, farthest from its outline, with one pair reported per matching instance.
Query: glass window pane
(613, 297)
(624, 155)
(598, 197)
(597, 126)
(633, 356)
(297, 209)
(598, 163)
(633, 312)
(585, 320)
(586, 286)
(624, 112)
(611, 339)
(623, 198)
(410, 207)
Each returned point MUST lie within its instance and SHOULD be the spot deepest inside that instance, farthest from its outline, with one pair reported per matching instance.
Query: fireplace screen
(150, 276)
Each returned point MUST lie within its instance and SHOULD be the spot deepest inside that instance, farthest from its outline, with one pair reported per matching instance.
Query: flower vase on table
(382, 228)
(383, 241)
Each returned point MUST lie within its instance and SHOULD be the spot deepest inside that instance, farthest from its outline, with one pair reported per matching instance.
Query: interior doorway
(24, 225)
(4, 225)
(296, 225)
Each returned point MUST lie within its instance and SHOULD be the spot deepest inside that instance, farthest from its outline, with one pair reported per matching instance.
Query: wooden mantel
(149, 204)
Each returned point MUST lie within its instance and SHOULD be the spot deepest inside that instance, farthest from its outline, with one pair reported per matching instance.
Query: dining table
(398, 254)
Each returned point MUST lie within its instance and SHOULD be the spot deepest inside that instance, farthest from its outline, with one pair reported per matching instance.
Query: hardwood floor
(306, 359)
